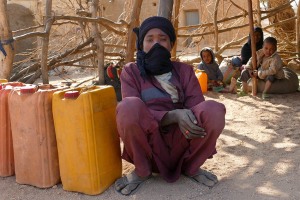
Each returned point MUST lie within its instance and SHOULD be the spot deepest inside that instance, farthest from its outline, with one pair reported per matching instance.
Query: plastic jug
(7, 167)
(3, 80)
(203, 79)
(88, 143)
(34, 139)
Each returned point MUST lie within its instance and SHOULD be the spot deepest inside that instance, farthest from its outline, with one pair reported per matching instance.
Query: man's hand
(186, 121)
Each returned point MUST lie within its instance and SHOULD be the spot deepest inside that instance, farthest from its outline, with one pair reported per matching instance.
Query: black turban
(154, 22)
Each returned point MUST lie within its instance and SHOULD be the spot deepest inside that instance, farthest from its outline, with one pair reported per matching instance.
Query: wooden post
(45, 42)
(165, 8)
(216, 30)
(253, 47)
(6, 62)
(99, 41)
(258, 13)
(175, 22)
(134, 22)
(298, 31)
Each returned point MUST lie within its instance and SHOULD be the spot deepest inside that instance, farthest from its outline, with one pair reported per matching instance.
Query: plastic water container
(7, 167)
(34, 139)
(203, 79)
(3, 80)
(88, 143)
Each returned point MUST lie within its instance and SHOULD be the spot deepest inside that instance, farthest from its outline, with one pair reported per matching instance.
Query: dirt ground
(258, 158)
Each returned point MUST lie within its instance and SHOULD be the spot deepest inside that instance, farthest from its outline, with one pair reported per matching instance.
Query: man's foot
(130, 183)
(204, 177)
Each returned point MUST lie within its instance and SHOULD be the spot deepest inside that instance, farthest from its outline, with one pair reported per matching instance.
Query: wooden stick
(94, 4)
(134, 22)
(298, 31)
(212, 32)
(45, 42)
(258, 13)
(175, 22)
(253, 47)
(216, 28)
(165, 8)
(239, 7)
(6, 64)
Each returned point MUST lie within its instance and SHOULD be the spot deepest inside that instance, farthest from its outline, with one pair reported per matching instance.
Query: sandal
(242, 94)
(129, 184)
(218, 88)
(204, 177)
(265, 96)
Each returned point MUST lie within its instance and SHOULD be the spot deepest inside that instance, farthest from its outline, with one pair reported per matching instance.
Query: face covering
(155, 62)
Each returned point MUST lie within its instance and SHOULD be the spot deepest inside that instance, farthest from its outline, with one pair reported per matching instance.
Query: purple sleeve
(129, 84)
(158, 115)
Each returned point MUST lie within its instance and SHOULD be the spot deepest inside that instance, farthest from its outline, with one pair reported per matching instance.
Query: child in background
(214, 74)
(269, 67)
(230, 67)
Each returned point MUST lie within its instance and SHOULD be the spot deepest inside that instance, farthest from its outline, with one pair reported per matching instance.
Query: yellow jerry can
(87, 139)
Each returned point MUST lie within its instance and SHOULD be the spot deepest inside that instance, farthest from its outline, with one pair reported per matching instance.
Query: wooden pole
(216, 31)
(176, 21)
(298, 31)
(165, 8)
(258, 13)
(134, 22)
(99, 41)
(45, 42)
(6, 61)
(253, 47)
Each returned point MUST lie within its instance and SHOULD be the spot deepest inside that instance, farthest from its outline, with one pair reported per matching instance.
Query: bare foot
(232, 85)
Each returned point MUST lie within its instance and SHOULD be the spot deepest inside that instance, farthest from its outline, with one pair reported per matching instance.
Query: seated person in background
(269, 67)
(214, 74)
(230, 67)
(246, 52)
(163, 120)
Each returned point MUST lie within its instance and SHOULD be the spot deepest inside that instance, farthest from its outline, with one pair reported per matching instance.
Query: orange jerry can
(34, 141)
(3, 81)
(203, 79)
(7, 167)
(87, 138)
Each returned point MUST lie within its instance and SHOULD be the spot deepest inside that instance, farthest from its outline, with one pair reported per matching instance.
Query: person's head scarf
(259, 44)
(157, 60)
(154, 22)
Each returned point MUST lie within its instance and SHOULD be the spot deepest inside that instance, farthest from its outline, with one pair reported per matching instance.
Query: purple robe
(165, 150)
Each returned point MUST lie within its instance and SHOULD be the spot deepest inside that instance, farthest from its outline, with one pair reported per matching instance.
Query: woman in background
(246, 53)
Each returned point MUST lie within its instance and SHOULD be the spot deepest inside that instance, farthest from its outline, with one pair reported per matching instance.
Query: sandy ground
(258, 158)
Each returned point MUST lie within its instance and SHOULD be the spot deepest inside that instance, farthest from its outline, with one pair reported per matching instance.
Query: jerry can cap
(28, 89)
(71, 94)
(16, 84)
